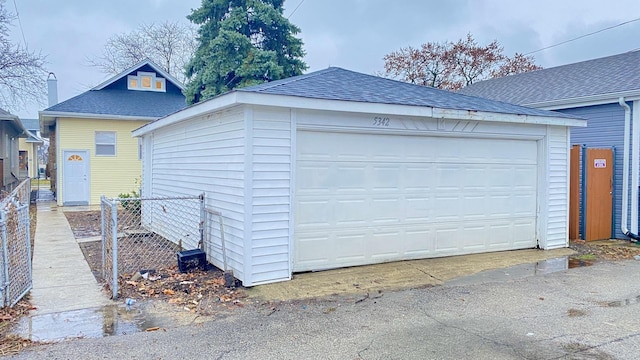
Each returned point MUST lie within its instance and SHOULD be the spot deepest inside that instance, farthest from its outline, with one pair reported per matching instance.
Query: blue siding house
(605, 91)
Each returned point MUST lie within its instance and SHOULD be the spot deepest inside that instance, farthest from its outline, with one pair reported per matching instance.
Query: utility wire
(20, 24)
(293, 12)
(580, 37)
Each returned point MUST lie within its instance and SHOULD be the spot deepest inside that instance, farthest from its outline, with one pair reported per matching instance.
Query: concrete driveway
(582, 313)
(398, 275)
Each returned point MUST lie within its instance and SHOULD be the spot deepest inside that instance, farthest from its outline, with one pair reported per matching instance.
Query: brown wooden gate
(599, 194)
(595, 196)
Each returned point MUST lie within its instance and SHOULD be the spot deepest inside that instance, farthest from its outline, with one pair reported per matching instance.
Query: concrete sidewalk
(62, 280)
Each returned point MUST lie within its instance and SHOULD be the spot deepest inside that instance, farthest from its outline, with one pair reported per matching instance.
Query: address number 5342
(380, 121)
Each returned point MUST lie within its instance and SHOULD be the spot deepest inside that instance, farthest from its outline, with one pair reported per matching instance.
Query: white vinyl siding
(271, 195)
(205, 154)
(558, 199)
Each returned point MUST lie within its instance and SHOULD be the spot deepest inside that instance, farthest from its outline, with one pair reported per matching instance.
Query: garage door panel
(315, 178)
(438, 197)
(384, 178)
(348, 213)
(388, 246)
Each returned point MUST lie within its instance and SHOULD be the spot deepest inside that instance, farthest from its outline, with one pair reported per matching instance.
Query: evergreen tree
(241, 43)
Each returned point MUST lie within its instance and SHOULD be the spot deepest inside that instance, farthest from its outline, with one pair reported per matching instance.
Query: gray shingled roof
(31, 124)
(608, 75)
(340, 84)
(122, 103)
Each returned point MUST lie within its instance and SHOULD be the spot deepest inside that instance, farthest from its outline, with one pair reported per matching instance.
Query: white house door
(363, 198)
(75, 177)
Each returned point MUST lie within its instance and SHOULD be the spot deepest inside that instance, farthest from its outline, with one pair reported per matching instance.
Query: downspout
(625, 172)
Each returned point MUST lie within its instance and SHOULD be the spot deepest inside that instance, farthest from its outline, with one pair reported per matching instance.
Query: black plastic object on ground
(192, 259)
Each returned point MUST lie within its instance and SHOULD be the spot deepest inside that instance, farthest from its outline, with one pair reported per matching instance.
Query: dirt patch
(605, 250)
(84, 224)
(201, 292)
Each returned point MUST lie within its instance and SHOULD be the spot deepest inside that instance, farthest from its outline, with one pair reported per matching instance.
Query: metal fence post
(114, 248)
(102, 233)
(5, 257)
(202, 222)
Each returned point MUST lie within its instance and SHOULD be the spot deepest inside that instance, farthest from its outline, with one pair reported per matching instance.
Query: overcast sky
(353, 34)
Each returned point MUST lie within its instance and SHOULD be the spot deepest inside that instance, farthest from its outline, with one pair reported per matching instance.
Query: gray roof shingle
(339, 84)
(113, 97)
(607, 75)
(122, 103)
(31, 124)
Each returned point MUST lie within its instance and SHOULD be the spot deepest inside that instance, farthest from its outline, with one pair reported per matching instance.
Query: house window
(105, 143)
(146, 81)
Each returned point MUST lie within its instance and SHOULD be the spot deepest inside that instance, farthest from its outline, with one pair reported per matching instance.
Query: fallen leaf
(155, 328)
(168, 292)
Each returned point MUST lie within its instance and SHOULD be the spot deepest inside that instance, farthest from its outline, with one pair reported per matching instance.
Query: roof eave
(52, 115)
(15, 120)
(583, 101)
(508, 118)
(217, 103)
(240, 97)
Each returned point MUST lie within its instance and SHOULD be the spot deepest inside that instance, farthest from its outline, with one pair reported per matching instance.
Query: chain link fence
(146, 233)
(16, 276)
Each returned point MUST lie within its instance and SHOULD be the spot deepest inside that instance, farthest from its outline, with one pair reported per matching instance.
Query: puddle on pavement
(87, 323)
(520, 271)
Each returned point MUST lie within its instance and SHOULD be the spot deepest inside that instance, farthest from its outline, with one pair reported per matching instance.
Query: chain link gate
(146, 233)
(15, 233)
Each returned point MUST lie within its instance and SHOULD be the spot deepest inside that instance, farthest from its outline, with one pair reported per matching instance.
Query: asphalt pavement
(583, 313)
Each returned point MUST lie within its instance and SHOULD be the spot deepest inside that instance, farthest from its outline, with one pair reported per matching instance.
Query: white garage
(337, 168)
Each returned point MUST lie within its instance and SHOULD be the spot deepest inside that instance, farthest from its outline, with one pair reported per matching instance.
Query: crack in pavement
(596, 347)
(429, 275)
(478, 335)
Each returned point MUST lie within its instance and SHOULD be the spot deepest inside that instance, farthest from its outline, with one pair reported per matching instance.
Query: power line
(290, 15)
(580, 37)
(20, 24)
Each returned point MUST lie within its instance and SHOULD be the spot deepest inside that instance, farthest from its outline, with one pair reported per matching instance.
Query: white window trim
(138, 77)
(115, 142)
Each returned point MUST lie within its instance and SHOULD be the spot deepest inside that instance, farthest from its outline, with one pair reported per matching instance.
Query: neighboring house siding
(605, 128)
(32, 154)
(205, 154)
(558, 201)
(109, 175)
(271, 152)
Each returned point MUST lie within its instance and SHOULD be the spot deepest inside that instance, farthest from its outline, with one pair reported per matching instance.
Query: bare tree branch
(453, 66)
(22, 73)
(169, 44)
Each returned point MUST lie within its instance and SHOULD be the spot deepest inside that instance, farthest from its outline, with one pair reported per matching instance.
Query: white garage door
(363, 198)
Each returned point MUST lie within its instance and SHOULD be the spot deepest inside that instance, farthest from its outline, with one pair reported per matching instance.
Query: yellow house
(91, 150)
(28, 163)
